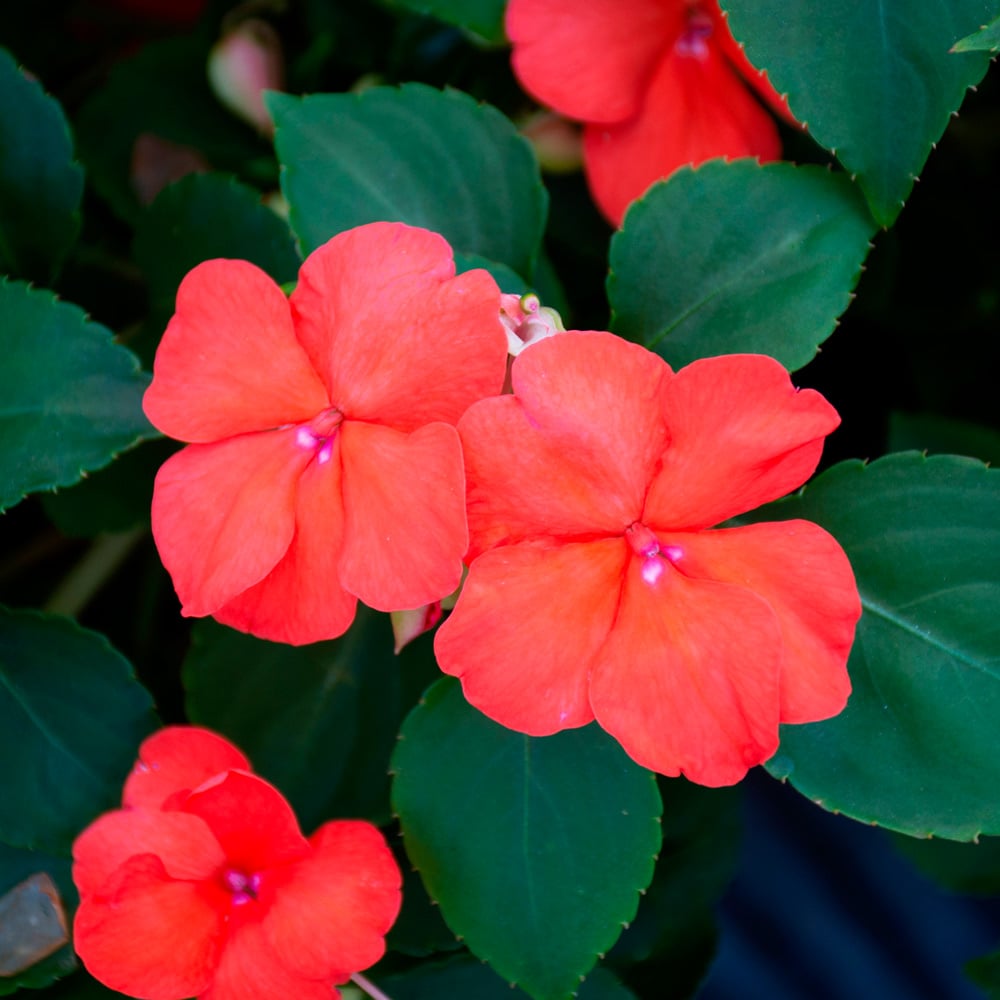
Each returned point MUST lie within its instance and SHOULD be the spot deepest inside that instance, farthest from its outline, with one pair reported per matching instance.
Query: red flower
(324, 465)
(202, 885)
(595, 590)
(660, 84)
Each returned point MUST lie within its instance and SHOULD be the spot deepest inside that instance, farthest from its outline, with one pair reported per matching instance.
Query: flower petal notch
(601, 585)
(659, 84)
(323, 465)
(215, 893)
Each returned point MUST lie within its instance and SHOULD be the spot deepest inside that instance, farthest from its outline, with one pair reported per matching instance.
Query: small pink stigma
(318, 435)
(693, 40)
(644, 543)
(243, 887)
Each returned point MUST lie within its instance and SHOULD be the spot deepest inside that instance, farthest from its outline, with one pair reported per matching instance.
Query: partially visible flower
(202, 884)
(596, 589)
(245, 62)
(659, 84)
(324, 465)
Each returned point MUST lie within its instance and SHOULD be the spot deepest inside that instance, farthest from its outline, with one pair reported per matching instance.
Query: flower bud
(244, 63)
(558, 142)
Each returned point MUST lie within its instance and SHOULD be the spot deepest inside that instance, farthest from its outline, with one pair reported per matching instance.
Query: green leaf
(74, 717)
(480, 17)
(70, 398)
(162, 95)
(985, 973)
(736, 257)
(873, 79)
(419, 929)
(40, 185)
(465, 977)
(987, 39)
(430, 158)
(318, 721)
(16, 865)
(915, 749)
(930, 432)
(667, 949)
(201, 217)
(535, 849)
(968, 868)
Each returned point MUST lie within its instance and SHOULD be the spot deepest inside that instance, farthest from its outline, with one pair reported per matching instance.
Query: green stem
(100, 562)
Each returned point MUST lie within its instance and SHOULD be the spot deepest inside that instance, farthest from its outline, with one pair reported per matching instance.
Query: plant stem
(369, 987)
(92, 572)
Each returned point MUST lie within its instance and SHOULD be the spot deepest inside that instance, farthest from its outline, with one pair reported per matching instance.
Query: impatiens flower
(659, 84)
(324, 465)
(599, 586)
(202, 884)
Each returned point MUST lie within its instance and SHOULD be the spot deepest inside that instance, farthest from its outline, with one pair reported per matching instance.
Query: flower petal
(741, 435)
(527, 629)
(183, 843)
(688, 680)
(224, 514)
(251, 820)
(301, 600)
(695, 109)
(250, 970)
(396, 337)
(593, 60)
(330, 918)
(229, 362)
(147, 935)
(574, 453)
(804, 576)
(175, 759)
(404, 506)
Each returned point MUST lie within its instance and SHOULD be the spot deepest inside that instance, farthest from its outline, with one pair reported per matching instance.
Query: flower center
(244, 888)
(654, 556)
(693, 40)
(319, 433)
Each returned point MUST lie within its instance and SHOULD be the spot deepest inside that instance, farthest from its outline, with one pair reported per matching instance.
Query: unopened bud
(558, 142)
(244, 63)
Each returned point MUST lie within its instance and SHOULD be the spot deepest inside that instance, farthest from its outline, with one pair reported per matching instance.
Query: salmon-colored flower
(659, 84)
(595, 588)
(324, 465)
(202, 884)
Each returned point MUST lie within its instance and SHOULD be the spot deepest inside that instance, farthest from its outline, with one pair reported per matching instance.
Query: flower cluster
(352, 441)
(659, 84)
(202, 884)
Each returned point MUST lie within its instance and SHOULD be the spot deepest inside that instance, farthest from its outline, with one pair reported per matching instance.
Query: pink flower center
(244, 888)
(654, 556)
(318, 435)
(693, 40)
